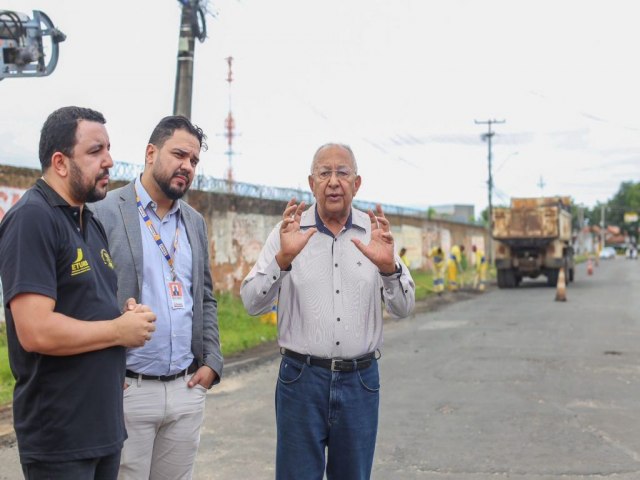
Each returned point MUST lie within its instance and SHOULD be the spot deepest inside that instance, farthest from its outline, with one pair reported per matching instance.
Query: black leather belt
(333, 364)
(163, 378)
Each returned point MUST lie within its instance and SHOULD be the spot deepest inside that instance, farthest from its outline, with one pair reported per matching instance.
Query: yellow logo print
(79, 265)
(106, 258)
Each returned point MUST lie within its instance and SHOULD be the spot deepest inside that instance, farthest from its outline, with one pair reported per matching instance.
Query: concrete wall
(238, 227)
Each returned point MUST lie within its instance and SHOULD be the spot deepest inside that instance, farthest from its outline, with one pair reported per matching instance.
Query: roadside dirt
(7, 435)
(262, 353)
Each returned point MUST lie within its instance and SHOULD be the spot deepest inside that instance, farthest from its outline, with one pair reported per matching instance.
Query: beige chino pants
(163, 421)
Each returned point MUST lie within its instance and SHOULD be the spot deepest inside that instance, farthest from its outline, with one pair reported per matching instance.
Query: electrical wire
(14, 30)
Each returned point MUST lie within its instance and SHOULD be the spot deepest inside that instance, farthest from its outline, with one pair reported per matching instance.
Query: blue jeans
(102, 468)
(317, 409)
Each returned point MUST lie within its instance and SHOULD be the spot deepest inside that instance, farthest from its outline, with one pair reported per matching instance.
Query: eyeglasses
(341, 174)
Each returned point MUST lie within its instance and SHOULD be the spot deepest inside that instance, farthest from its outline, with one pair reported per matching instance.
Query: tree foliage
(626, 200)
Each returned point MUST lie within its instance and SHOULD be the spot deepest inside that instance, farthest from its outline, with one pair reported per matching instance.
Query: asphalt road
(507, 385)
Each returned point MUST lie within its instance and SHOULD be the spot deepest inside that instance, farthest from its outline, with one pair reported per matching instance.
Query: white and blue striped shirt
(330, 301)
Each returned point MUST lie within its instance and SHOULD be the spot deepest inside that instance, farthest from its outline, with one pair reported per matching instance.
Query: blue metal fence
(206, 183)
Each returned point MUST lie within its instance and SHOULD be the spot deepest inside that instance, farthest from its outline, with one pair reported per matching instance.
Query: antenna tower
(230, 127)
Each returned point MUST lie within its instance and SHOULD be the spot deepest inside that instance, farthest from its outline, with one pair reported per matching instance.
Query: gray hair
(340, 145)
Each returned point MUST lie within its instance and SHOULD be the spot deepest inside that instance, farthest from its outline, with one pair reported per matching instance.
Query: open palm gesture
(380, 249)
(292, 239)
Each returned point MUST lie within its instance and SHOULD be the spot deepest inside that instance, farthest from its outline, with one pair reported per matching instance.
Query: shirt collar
(53, 198)
(147, 201)
(311, 218)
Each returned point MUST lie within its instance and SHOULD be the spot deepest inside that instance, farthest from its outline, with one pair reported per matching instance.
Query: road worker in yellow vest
(403, 257)
(439, 266)
(480, 279)
(454, 267)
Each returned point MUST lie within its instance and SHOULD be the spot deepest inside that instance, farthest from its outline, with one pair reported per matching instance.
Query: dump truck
(533, 238)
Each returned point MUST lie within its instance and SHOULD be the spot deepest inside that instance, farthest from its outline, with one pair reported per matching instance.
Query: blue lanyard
(158, 239)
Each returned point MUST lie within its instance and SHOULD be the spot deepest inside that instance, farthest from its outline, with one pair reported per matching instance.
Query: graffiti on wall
(9, 196)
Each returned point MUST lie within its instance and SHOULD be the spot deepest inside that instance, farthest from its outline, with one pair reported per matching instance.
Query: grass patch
(583, 257)
(6, 378)
(238, 329)
(424, 281)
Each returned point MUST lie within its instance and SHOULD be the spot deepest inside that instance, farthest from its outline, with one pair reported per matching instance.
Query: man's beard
(82, 192)
(174, 193)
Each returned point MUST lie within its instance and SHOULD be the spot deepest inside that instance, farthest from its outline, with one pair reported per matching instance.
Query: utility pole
(487, 136)
(580, 210)
(192, 26)
(602, 236)
(184, 71)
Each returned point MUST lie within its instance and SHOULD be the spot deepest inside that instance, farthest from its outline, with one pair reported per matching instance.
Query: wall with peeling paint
(238, 227)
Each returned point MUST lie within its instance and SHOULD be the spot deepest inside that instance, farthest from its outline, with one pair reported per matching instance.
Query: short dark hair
(58, 133)
(168, 125)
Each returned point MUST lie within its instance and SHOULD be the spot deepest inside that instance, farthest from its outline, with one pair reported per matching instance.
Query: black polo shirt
(65, 407)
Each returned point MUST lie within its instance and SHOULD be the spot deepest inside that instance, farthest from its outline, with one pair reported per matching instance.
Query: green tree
(626, 200)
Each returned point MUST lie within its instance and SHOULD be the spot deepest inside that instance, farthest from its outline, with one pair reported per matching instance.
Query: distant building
(456, 213)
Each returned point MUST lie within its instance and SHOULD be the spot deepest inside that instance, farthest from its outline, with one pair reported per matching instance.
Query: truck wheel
(571, 274)
(507, 278)
(503, 279)
(552, 277)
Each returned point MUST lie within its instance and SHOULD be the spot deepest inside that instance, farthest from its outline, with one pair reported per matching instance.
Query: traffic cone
(561, 289)
(589, 267)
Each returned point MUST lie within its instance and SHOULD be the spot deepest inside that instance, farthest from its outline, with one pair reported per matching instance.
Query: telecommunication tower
(229, 127)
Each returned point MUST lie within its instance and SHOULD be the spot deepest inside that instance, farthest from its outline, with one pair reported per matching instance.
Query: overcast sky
(401, 81)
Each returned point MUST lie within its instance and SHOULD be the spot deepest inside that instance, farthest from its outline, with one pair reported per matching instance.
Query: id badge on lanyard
(176, 290)
(176, 294)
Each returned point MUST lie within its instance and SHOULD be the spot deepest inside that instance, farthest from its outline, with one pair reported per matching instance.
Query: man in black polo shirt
(67, 336)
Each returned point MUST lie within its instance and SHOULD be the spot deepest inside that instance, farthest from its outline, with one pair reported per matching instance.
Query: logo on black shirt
(106, 258)
(79, 265)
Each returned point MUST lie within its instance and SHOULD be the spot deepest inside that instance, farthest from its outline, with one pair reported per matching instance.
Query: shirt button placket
(338, 302)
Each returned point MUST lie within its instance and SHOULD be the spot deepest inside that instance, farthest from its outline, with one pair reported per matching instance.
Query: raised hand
(380, 248)
(292, 239)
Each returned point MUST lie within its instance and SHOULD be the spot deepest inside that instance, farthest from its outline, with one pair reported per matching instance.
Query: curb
(266, 352)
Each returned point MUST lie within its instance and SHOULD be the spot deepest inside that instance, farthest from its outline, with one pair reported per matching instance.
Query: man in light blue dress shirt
(160, 247)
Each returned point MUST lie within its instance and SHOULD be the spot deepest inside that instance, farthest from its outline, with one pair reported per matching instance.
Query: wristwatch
(395, 272)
